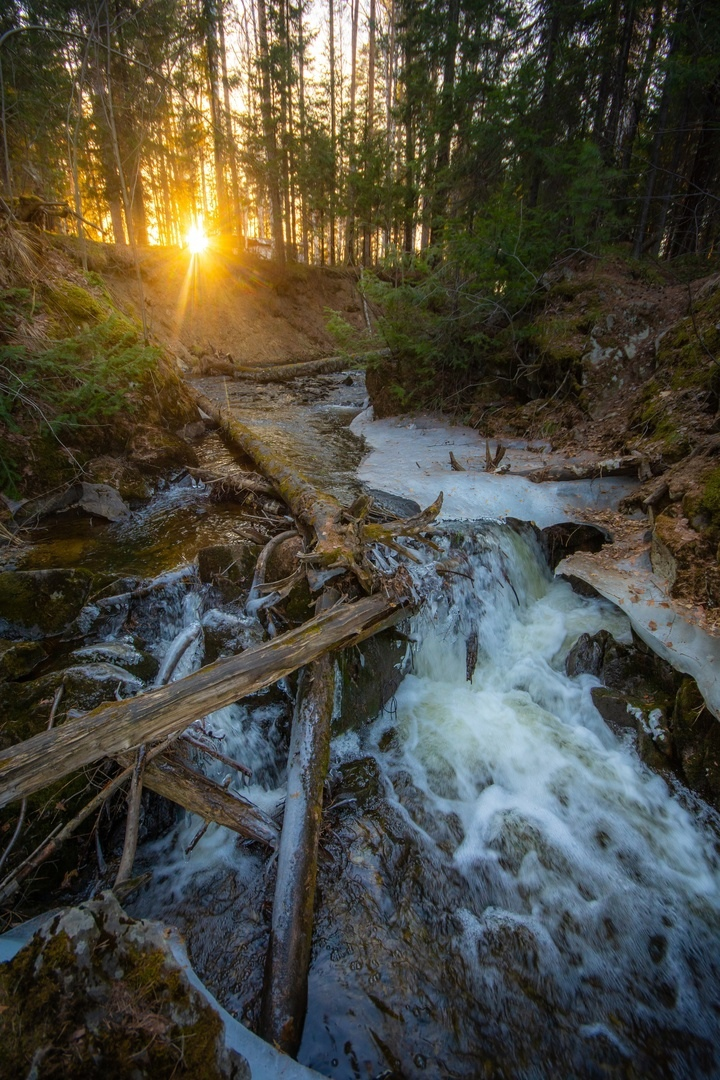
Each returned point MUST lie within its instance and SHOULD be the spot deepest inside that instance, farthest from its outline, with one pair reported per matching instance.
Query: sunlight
(197, 239)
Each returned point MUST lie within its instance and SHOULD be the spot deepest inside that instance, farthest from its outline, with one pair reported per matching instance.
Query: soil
(243, 309)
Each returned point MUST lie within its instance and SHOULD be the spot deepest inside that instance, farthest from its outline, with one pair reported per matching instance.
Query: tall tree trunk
(369, 131)
(271, 150)
(212, 14)
(236, 224)
(447, 101)
(352, 163)
(333, 131)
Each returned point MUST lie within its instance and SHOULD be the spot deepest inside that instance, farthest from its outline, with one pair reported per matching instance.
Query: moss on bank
(76, 375)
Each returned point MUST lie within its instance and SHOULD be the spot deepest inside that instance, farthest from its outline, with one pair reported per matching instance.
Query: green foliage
(343, 334)
(71, 388)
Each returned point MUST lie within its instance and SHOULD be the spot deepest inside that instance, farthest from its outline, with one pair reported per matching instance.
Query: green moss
(710, 499)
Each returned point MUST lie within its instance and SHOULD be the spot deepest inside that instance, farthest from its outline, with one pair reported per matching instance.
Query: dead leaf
(652, 625)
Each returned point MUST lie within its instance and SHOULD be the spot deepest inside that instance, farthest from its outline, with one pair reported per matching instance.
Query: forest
(359, 538)
(493, 132)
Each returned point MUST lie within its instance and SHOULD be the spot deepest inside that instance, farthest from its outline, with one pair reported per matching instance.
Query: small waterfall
(505, 890)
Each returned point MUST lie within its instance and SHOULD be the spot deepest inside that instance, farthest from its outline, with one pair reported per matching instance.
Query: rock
(674, 547)
(371, 673)
(155, 449)
(96, 993)
(614, 709)
(19, 658)
(394, 504)
(284, 560)
(587, 654)
(88, 685)
(124, 654)
(696, 734)
(103, 501)
(39, 603)
(191, 432)
(120, 474)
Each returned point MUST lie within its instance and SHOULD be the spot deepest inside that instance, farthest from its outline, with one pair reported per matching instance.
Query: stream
(504, 889)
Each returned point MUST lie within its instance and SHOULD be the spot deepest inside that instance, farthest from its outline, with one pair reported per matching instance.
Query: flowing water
(504, 890)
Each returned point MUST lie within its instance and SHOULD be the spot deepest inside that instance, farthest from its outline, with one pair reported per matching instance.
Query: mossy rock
(696, 733)
(155, 449)
(19, 658)
(120, 474)
(96, 994)
(40, 603)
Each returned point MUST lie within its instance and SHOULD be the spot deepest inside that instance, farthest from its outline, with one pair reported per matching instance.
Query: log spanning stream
(504, 890)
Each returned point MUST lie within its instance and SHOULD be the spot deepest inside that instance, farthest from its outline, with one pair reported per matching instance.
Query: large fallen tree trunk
(632, 465)
(119, 726)
(284, 1000)
(339, 536)
(279, 373)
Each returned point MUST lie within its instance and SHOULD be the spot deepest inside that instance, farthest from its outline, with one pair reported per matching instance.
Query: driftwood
(284, 1001)
(632, 465)
(279, 373)
(173, 778)
(119, 726)
(493, 460)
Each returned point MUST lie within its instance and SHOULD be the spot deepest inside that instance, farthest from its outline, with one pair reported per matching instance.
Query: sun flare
(197, 239)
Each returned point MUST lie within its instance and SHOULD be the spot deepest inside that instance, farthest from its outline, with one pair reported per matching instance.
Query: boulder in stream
(40, 603)
(96, 993)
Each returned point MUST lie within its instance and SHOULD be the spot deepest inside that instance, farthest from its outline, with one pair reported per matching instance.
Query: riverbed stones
(96, 993)
(643, 694)
(39, 603)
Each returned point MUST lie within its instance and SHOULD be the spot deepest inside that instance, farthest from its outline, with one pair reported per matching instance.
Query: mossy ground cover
(75, 372)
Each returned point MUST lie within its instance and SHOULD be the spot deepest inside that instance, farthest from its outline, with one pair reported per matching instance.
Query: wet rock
(393, 504)
(102, 500)
(227, 566)
(122, 654)
(192, 432)
(156, 450)
(128, 480)
(89, 685)
(38, 603)
(98, 993)
(371, 673)
(19, 658)
(284, 560)
(696, 734)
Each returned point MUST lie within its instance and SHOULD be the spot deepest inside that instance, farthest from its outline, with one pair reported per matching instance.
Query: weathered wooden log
(119, 726)
(284, 1000)
(340, 539)
(593, 470)
(172, 778)
(330, 365)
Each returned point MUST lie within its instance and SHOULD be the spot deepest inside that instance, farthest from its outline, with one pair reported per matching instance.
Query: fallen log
(284, 1000)
(330, 365)
(337, 540)
(119, 726)
(634, 465)
(173, 778)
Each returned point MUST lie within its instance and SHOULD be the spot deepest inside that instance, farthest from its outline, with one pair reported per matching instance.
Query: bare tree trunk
(270, 135)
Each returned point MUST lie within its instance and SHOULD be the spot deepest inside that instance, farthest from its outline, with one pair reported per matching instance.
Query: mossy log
(284, 1000)
(119, 726)
(338, 538)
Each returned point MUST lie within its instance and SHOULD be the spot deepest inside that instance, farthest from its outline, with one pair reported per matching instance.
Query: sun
(197, 239)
